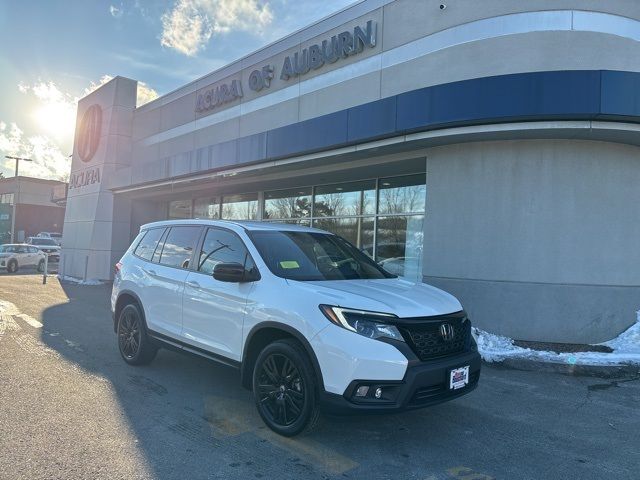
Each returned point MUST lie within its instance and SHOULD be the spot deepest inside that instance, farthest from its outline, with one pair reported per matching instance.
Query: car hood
(393, 295)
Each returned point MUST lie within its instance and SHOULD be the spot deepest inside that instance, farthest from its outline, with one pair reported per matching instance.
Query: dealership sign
(86, 177)
(330, 50)
(89, 133)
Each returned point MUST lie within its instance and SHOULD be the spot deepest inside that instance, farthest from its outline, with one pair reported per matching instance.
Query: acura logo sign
(446, 332)
(89, 133)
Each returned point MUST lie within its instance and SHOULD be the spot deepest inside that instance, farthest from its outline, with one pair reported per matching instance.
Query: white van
(311, 322)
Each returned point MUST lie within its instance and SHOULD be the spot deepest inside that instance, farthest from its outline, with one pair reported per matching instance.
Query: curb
(600, 371)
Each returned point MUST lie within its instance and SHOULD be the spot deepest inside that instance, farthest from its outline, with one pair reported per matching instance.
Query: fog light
(362, 391)
(378, 393)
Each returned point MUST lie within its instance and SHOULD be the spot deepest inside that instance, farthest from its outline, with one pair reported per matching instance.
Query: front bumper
(424, 384)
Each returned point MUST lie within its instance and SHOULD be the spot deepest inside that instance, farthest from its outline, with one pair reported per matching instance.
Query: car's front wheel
(12, 266)
(285, 389)
(134, 344)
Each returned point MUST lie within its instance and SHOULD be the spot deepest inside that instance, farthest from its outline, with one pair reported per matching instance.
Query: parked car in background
(14, 256)
(310, 321)
(57, 237)
(47, 245)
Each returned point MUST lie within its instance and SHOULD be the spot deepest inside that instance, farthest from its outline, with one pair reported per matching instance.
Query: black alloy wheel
(284, 388)
(135, 346)
(12, 266)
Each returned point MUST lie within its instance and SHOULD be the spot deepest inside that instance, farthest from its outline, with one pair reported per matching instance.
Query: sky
(53, 52)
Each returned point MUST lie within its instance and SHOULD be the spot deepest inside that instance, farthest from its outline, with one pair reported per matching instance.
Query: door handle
(152, 272)
(193, 283)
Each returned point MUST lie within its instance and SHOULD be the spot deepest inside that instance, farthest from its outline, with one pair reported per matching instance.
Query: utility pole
(16, 196)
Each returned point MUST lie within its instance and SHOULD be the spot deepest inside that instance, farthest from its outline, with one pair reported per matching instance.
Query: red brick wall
(37, 218)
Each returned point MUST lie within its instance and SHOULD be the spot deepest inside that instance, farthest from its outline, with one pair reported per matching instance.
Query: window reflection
(177, 248)
(402, 194)
(179, 209)
(358, 231)
(399, 244)
(283, 204)
(240, 207)
(208, 207)
(355, 198)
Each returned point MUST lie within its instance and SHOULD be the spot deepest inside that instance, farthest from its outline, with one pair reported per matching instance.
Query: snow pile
(78, 281)
(626, 350)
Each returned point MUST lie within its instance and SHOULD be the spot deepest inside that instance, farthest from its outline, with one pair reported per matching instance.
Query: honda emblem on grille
(446, 332)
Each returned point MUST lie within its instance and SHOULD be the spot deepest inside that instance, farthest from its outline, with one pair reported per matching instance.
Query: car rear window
(148, 244)
(43, 241)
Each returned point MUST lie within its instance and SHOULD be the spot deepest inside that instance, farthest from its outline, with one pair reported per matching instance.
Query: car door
(164, 279)
(214, 311)
(23, 256)
(34, 255)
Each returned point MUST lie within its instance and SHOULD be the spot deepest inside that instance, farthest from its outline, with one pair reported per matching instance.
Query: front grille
(427, 342)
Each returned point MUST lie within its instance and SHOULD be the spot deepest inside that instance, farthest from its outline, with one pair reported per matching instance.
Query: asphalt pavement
(70, 408)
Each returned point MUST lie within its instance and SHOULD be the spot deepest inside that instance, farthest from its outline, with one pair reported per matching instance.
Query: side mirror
(234, 272)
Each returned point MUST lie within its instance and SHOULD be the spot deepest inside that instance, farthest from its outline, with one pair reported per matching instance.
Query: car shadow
(191, 417)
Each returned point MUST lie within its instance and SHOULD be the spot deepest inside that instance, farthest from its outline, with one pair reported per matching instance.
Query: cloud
(144, 94)
(189, 25)
(115, 11)
(48, 160)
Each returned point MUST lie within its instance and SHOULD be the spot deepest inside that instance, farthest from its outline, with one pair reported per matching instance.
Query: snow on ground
(79, 281)
(626, 350)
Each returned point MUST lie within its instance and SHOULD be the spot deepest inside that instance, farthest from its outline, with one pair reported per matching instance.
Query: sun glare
(57, 119)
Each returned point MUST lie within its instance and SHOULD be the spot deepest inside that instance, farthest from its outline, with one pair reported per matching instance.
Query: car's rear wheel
(285, 388)
(134, 344)
(41, 266)
(12, 266)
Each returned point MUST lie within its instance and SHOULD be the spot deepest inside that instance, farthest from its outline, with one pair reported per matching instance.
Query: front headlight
(368, 324)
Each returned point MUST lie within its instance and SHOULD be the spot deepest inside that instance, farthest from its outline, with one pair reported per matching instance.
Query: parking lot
(71, 408)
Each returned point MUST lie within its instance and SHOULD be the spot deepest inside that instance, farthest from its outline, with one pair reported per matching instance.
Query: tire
(41, 266)
(12, 266)
(135, 346)
(285, 388)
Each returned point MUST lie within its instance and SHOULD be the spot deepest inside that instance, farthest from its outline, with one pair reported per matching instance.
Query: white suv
(311, 322)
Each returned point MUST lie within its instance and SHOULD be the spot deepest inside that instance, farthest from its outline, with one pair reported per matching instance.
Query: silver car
(16, 256)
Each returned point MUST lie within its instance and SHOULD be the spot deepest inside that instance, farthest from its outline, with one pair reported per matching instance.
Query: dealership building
(489, 148)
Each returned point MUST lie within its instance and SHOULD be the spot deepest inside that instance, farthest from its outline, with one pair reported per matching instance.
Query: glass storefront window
(240, 207)
(358, 231)
(285, 204)
(399, 244)
(392, 217)
(208, 207)
(180, 209)
(405, 194)
(344, 199)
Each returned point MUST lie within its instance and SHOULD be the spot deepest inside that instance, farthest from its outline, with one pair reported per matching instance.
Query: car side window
(33, 250)
(148, 244)
(21, 250)
(222, 246)
(179, 245)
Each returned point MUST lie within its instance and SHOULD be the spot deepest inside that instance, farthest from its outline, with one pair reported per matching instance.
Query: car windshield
(314, 256)
(42, 241)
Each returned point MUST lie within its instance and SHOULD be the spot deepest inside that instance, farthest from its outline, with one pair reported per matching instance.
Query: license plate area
(458, 377)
